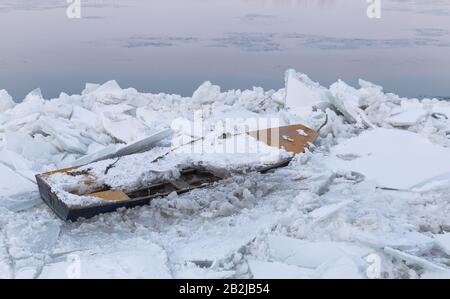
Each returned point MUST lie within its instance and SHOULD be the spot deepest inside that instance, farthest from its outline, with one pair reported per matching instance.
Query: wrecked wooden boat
(96, 196)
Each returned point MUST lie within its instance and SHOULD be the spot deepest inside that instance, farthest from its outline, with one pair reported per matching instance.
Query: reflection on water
(174, 45)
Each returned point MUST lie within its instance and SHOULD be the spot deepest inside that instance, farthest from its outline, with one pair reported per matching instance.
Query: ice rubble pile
(372, 137)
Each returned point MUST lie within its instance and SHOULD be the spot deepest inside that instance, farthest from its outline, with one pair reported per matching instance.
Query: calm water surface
(174, 45)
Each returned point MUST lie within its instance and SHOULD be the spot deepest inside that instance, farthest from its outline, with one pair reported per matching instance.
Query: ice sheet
(392, 158)
(12, 183)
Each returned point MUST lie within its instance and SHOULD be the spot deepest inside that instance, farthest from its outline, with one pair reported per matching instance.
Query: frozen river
(174, 45)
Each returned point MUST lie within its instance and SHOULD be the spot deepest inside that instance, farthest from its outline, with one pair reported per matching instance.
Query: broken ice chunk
(346, 99)
(27, 239)
(32, 104)
(443, 241)
(343, 268)
(21, 202)
(325, 212)
(303, 133)
(86, 117)
(442, 110)
(287, 138)
(109, 93)
(407, 118)
(320, 183)
(435, 275)
(35, 94)
(6, 271)
(96, 155)
(27, 268)
(41, 150)
(127, 130)
(302, 94)
(133, 258)
(311, 254)
(90, 87)
(207, 93)
(12, 183)
(30, 242)
(189, 270)
(16, 141)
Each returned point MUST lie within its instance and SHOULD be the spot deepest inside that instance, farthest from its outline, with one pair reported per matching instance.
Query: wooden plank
(111, 195)
(288, 137)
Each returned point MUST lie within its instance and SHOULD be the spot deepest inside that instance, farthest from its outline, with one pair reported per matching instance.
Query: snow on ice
(393, 158)
(370, 199)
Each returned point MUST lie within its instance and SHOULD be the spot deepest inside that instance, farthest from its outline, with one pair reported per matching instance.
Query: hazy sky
(174, 45)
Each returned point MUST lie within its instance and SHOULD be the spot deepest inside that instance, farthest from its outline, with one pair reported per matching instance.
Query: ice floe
(135, 258)
(392, 158)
